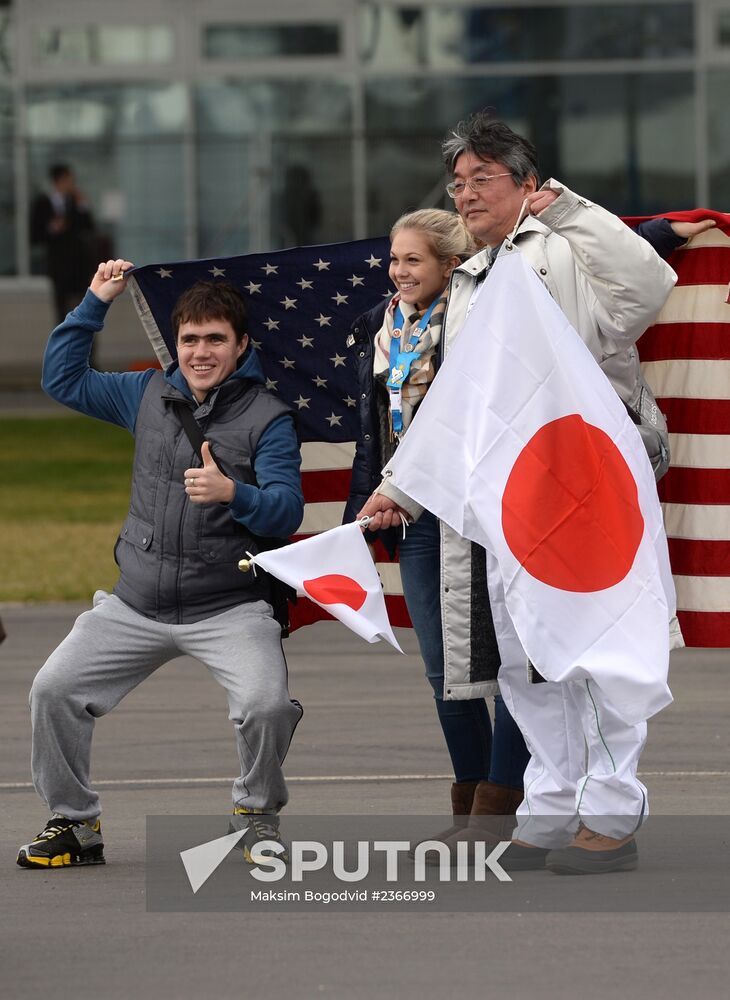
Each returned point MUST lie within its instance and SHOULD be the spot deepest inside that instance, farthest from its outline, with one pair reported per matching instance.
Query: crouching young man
(179, 590)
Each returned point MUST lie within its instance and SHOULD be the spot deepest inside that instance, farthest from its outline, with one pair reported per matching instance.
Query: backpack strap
(193, 430)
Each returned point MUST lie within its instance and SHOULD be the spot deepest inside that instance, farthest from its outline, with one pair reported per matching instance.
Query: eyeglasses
(455, 189)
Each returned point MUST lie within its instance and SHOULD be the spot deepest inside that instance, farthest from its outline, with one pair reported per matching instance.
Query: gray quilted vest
(178, 561)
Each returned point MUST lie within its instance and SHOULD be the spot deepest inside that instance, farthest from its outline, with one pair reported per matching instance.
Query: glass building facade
(226, 127)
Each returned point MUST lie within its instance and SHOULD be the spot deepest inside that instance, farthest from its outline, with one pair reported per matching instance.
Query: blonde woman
(404, 333)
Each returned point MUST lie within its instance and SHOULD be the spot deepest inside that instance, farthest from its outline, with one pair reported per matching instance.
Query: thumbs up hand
(208, 485)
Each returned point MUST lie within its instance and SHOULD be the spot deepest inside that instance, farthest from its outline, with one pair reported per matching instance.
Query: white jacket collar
(479, 264)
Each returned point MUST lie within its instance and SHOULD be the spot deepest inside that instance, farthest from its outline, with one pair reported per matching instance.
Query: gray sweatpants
(112, 648)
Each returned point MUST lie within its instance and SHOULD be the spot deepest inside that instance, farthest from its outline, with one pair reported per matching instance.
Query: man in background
(61, 222)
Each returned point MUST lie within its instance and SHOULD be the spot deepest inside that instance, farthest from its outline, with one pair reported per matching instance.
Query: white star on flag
(356, 280)
(302, 402)
(333, 420)
(338, 361)
(256, 344)
(217, 272)
(271, 324)
(339, 299)
(304, 284)
(322, 265)
(532, 455)
(305, 341)
(289, 303)
(270, 268)
(252, 288)
(163, 272)
(319, 381)
(271, 384)
(373, 261)
(322, 319)
(335, 570)
(287, 362)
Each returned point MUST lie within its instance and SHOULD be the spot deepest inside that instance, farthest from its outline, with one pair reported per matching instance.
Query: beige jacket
(610, 284)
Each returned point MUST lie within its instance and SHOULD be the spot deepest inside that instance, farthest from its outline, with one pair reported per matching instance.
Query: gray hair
(491, 139)
(445, 231)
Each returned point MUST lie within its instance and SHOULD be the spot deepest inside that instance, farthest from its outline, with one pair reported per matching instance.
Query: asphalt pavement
(368, 746)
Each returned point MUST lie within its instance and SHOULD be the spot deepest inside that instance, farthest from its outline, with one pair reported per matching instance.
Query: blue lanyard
(401, 359)
(418, 328)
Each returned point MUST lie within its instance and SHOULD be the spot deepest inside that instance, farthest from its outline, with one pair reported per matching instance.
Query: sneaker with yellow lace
(64, 843)
(259, 826)
(593, 853)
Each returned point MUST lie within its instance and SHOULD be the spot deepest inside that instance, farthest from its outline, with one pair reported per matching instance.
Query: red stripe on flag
(326, 486)
(382, 554)
(701, 486)
(699, 341)
(696, 416)
(397, 611)
(695, 557)
(702, 266)
(710, 629)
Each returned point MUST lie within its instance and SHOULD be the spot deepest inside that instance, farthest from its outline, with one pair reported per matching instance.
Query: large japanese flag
(335, 570)
(522, 445)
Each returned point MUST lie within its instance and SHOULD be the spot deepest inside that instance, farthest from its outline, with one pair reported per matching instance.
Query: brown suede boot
(462, 799)
(491, 820)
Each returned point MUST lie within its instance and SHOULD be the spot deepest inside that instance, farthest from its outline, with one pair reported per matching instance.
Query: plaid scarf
(423, 370)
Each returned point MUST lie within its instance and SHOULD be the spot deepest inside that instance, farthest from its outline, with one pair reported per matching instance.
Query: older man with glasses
(583, 799)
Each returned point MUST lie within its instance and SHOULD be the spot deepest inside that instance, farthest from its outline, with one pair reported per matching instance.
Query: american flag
(686, 360)
(302, 303)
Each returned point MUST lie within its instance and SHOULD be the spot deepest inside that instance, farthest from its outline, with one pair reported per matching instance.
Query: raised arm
(67, 376)
(624, 280)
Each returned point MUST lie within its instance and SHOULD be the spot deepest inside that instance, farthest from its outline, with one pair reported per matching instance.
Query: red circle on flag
(336, 589)
(570, 509)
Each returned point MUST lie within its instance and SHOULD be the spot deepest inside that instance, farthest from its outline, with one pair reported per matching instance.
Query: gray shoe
(593, 854)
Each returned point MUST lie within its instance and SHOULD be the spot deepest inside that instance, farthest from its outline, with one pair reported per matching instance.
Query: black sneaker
(64, 843)
(259, 826)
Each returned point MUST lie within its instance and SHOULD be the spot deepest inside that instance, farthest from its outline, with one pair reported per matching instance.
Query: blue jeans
(476, 753)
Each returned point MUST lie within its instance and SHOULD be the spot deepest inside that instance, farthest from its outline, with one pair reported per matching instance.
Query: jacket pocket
(136, 532)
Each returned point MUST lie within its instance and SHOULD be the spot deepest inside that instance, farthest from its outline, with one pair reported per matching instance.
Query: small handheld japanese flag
(335, 570)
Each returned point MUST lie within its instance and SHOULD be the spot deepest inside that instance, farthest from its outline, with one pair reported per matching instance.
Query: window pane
(718, 87)
(252, 107)
(263, 41)
(125, 146)
(104, 45)
(410, 36)
(624, 141)
(274, 164)
(106, 110)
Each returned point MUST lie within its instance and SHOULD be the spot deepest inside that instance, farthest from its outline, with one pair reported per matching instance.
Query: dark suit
(69, 252)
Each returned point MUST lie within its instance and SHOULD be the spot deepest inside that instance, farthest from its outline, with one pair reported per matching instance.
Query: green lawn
(64, 493)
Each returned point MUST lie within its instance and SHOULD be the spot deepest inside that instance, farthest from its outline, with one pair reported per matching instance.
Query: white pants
(584, 757)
